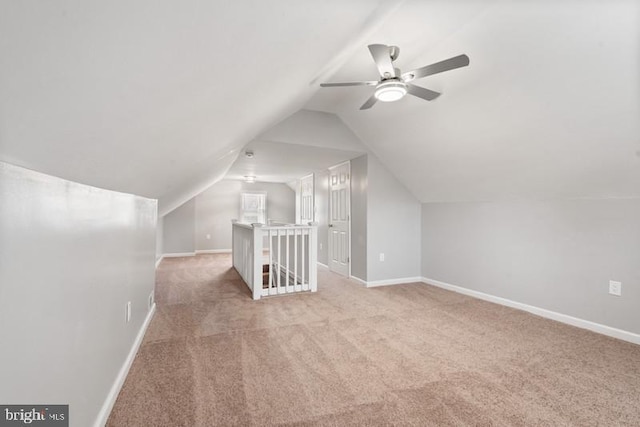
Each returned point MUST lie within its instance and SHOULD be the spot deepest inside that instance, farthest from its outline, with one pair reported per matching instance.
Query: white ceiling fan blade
(421, 92)
(382, 56)
(369, 83)
(369, 102)
(438, 67)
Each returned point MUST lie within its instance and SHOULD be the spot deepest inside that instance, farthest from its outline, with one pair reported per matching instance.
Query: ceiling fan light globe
(390, 91)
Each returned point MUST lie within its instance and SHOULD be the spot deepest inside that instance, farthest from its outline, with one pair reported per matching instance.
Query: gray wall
(220, 203)
(385, 218)
(215, 208)
(159, 239)
(359, 217)
(71, 256)
(179, 229)
(393, 226)
(557, 255)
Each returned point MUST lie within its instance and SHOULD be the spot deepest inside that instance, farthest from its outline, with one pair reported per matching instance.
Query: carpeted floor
(398, 355)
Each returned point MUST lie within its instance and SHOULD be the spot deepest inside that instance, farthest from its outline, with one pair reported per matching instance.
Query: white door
(339, 213)
(306, 199)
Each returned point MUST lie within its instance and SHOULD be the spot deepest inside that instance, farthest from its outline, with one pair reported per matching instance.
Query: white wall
(220, 203)
(179, 229)
(558, 254)
(393, 226)
(71, 256)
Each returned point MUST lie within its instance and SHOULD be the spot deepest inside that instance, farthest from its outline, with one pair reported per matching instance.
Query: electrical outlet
(615, 288)
(128, 315)
(320, 246)
(208, 236)
(381, 257)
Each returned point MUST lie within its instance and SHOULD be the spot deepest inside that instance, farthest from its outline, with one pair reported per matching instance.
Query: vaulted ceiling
(305, 142)
(549, 106)
(159, 98)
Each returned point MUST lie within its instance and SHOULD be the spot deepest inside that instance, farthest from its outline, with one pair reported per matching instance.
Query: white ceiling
(159, 98)
(304, 142)
(281, 162)
(548, 108)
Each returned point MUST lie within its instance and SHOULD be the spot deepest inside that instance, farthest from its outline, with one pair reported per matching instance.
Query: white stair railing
(290, 262)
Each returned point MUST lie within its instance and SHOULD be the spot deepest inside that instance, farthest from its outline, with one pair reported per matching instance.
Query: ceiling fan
(394, 85)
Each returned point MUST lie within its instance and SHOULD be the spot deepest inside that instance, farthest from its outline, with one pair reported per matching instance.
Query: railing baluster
(295, 258)
(270, 282)
(279, 273)
(257, 237)
(313, 256)
(286, 269)
(304, 262)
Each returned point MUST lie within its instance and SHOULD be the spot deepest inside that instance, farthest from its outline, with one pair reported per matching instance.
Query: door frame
(348, 163)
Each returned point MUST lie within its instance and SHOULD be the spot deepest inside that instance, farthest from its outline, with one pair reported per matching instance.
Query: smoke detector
(248, 154)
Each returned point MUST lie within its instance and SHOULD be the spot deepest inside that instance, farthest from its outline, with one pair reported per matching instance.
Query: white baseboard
(107, 406)
(159, 261)
(387, 282)
(178, 254)
(563, 318)
(359, 280)
(323, 265)
(213, 251)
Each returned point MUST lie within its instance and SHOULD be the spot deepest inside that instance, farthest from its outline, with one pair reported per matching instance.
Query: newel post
(257, 261)
(313, 256)
(234, 244)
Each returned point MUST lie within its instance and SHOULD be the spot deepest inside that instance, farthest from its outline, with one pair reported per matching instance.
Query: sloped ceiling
(158, 98)
(548, 108)
(304, 142)
(283, 163)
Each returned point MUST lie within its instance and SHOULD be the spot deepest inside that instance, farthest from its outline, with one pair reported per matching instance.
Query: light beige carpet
(398, 355)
